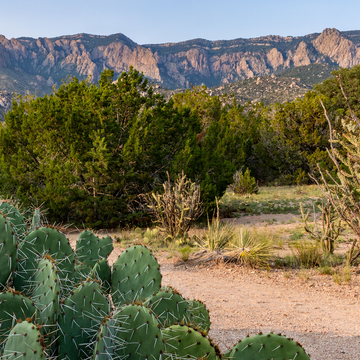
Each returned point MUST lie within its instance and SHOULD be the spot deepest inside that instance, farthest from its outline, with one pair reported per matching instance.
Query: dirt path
(264, 219)
(323, 317)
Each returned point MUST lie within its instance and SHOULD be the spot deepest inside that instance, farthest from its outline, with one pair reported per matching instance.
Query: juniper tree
(89, 151)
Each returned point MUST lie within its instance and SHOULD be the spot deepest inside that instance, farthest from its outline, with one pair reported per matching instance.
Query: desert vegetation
(78, 307)
(89, 152)
(169, 176)
(114, 155)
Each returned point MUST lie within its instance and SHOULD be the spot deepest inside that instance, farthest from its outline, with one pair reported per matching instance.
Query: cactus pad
(8, 250)
(199, 315)
(183, 342)
(102, 271)
(267, 346)
(170, 307)
(24, 342)
(45, 240)
(79, 319)
(46, 292)
(81, 273)
(90, 249)
(104, 344)
(136, 275)
(15, 217)
(137, 334)
(13, 307)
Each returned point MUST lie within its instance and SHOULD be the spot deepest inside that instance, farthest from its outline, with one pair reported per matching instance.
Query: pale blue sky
(159, 21)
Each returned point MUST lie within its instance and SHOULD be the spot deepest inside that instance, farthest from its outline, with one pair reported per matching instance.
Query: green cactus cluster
(57, 303)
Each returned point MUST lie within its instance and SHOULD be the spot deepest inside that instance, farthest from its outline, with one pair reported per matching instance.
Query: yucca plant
(250, 247)
(219, 234)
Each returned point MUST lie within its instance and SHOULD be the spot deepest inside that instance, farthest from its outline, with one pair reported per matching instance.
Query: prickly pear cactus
(15, 217)
(183, 341)
(8, 250)
(90, 249)
(102, 271)
(45, 240)
(199, 315)
(136, 275)
(104, 344)
(169, 307)
(82, 273)
(46, 292)
(79, 319)
(137, 334)
(267, 346)
(13, 307)
(24, 342)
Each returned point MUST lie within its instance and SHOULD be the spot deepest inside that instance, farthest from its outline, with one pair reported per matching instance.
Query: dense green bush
(292, 139)
(244, 183)
(89, 151)
(330, 88)
(65, 150)
(223, 145)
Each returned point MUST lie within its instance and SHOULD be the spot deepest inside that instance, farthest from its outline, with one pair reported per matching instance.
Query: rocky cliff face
(5, 103)
(176, 64)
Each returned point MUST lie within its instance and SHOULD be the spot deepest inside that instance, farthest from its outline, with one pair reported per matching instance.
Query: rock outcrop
(5, 103)
(339, 49)
(176, 65)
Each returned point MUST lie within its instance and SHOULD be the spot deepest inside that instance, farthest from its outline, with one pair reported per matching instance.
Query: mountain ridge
(174, 65)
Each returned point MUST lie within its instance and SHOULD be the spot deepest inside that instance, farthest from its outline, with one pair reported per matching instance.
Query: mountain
(28, 64)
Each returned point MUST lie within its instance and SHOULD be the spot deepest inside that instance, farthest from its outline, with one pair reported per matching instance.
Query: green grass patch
(273, 200)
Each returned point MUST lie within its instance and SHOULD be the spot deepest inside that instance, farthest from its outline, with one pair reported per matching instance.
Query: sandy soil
(322, 315)
(265, 219)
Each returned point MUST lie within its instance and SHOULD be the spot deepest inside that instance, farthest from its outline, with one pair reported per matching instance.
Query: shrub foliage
(88, 151)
